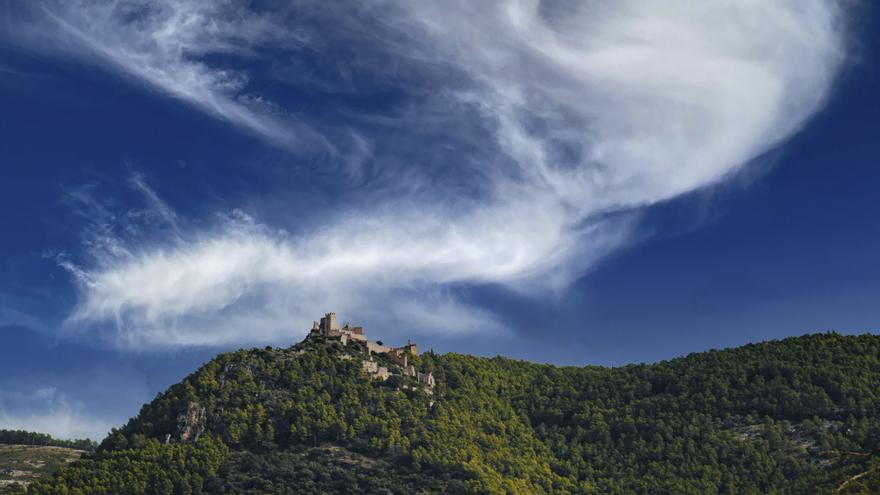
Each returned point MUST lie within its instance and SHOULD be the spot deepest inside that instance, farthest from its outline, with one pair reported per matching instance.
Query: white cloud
(597, 109)
(47, 411)
(154, 202)
(161, 44)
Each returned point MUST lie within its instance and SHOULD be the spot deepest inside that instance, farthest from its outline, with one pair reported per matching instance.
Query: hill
(21, 465)
(27, 456)
(794, 416)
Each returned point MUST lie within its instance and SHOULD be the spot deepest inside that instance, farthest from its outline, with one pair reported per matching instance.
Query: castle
(327, 327)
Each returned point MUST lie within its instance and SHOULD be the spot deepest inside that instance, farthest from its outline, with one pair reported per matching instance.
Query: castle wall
(354, 336)
(373, 369)
(398, 357)
(409, 348)
(377, 348)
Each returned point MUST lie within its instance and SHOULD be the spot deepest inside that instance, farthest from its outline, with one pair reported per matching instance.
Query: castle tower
(328, 324)
(411, 348)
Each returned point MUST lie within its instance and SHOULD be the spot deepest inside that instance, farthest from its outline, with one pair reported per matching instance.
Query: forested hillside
(797, 416)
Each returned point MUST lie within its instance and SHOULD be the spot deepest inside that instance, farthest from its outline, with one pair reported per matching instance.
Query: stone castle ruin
(328, 328)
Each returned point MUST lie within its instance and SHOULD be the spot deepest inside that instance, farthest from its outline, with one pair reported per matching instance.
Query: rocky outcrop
(191, 423)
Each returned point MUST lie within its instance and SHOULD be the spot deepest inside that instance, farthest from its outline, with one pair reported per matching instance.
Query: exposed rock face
(191, 423)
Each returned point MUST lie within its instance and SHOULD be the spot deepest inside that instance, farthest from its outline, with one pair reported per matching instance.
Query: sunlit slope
(793, 416)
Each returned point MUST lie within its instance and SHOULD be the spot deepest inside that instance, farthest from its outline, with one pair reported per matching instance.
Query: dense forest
(22, 437)
(796, 416)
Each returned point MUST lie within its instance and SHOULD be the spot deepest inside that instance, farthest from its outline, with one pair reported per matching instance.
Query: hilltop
(795, 416)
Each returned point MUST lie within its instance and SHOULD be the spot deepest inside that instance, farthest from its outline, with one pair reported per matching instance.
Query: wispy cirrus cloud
(11, 317)
(163, 45)
(590, 111)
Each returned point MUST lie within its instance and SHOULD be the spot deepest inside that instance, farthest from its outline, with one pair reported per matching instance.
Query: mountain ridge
(797, 415)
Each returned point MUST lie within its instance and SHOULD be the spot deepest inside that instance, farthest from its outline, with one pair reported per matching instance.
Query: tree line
(22, 437)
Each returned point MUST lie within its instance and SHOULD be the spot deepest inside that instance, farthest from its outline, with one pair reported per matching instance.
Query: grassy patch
(22, 464)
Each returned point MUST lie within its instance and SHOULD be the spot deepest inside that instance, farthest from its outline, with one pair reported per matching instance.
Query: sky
(558, 181)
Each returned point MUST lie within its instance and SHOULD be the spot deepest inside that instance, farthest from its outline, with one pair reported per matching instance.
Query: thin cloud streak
(160, 45)
(596, 110)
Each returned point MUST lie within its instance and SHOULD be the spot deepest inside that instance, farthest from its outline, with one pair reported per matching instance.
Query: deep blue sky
(783, 245)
